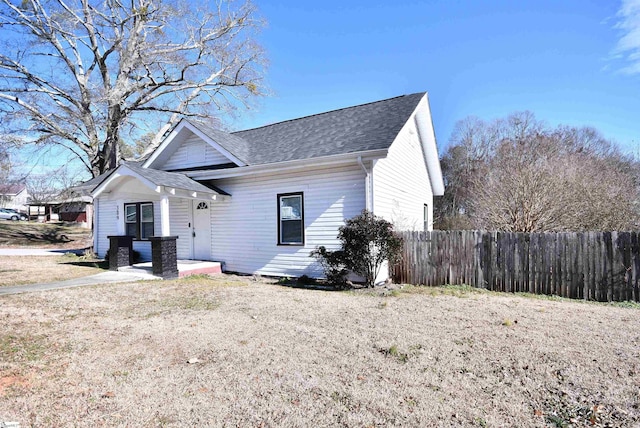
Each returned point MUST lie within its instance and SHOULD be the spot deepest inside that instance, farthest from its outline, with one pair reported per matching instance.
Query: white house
(261, 200)
(14, 196)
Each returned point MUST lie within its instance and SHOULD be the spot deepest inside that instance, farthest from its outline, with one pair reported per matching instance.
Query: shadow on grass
(44, 234)
(51, 236)
(100, 264)
(307, 283)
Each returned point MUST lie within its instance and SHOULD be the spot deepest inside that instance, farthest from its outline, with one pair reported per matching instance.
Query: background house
(14, 196)
(75, 204)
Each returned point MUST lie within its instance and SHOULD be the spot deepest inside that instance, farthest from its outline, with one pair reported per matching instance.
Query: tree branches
(84, 72)
(516, 174)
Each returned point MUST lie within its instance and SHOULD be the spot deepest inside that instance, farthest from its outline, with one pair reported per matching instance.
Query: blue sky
(569, 62)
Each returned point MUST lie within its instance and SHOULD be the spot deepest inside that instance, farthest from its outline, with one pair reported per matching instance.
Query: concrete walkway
(99, 278)
(137, 272)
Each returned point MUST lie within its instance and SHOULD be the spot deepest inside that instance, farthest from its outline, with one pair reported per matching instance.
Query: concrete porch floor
(185, 268)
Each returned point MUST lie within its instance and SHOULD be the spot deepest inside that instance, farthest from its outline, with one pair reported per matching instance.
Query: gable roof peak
(363, 127)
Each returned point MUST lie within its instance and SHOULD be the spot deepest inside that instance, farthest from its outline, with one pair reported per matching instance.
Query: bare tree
(470, 144)
(526, 177)
(42, 189)
(5, 164)
(82, 74)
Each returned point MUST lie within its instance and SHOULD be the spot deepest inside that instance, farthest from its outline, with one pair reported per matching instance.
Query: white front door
(201, 230)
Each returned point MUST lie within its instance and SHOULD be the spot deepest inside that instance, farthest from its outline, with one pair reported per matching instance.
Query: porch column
(164, 259)
(165, 229)
(120, 251)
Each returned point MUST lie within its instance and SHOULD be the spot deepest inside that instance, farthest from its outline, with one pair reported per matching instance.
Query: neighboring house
(75, 204)
(14, 196)
(261, 200)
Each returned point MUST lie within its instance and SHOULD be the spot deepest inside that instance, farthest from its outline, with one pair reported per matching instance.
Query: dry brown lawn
(43, 235)
(18, 270)
(232, 352)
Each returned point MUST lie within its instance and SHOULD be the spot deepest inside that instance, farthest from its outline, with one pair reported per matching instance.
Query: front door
(201, 230)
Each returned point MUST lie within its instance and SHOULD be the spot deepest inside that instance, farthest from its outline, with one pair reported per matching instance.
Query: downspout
(96, 210)
(368, 185)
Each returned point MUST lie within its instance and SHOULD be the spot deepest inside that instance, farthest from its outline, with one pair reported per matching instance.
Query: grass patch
(31, 234)
(21, 270)
(396, 353)
(626, 304)
(191, 303)
(462, 291)
(343, 398)
(159, 308)
(205, 282)
(18, 349)
(465, 291)
(293, 357)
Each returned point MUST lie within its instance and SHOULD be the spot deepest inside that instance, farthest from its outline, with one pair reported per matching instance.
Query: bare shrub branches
(515, 174)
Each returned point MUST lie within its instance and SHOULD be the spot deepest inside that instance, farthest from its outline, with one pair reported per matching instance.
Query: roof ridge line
(326, 112)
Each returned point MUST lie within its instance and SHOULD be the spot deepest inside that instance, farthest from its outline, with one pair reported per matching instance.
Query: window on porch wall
(138, 220)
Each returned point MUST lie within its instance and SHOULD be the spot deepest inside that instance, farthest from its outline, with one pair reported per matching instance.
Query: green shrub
(367, 241)
(333, 265)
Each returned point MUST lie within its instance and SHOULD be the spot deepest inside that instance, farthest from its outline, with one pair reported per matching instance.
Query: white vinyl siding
(194, 152)
(179, 224)
(107, 226)
(244, 229)
(401, 185)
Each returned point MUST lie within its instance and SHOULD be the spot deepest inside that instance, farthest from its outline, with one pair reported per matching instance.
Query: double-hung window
(138, 220)
(291, 219)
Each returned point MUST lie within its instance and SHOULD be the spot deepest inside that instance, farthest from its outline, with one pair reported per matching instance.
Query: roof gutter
(287, 165)
(368, 184)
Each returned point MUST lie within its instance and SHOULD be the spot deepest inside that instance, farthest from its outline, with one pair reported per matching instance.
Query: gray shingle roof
(170, 179)
(85, 188)
(363, 127)
(11, 189)
(236, 145)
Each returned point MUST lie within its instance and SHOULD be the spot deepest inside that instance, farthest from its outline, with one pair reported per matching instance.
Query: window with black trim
(426, 217)
(291, 219)
(138, 220)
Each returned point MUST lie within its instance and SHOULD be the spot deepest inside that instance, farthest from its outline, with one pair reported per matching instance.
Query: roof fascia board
(124, 171)
(215, 145)
(288, 165)
(185, 124)
(191, 194)
(427, 136)
(167, 141)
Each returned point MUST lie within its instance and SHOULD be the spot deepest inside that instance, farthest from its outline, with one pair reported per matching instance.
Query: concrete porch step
(185, 268)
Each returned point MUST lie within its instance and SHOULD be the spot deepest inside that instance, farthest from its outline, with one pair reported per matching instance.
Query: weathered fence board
(602, 266)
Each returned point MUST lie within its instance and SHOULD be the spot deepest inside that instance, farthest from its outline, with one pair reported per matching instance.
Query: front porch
(151, 208)
(185, 268)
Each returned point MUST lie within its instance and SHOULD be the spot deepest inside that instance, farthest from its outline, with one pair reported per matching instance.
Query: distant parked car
(11, 214)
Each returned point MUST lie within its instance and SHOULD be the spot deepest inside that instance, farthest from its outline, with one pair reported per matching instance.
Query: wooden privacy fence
(603, 266)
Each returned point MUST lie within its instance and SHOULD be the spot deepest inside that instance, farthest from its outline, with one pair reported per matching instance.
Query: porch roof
(173, 183)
